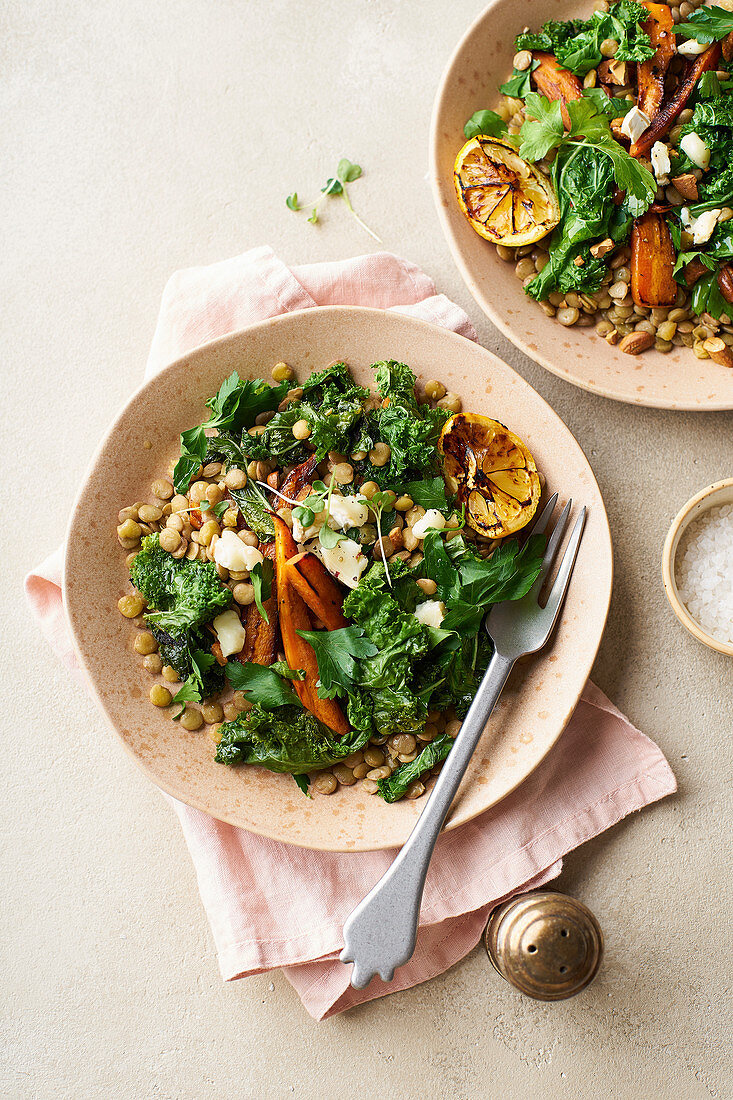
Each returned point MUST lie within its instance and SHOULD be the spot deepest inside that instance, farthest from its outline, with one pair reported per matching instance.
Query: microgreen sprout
(218, 509)
(378, 502)
(335, 186)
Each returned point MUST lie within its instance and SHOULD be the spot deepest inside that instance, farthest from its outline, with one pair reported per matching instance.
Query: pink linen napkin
(273, 905)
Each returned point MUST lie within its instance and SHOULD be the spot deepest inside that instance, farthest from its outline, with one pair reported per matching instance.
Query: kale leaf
(289, 739)
(225, 447)
(519, 83)
(301, 782)
(395, 384)
(585, 184)
(182, 593)
(399, 641)
(255, 509)
(396, 785)
(332, 384)
(411, 430)
(195, 596)
(184, 596)
(712, 121)
(577, 43)
(184, 652)
(552, 36)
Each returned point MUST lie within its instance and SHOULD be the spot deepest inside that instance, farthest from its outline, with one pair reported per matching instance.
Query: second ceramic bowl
(482, 61)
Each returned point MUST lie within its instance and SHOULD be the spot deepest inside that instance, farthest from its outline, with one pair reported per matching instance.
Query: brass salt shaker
(546, 944)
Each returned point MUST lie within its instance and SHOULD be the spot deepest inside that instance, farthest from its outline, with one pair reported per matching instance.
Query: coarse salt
(704, 571)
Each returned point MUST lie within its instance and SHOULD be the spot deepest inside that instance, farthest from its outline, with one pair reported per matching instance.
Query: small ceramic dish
(714, 496)
(481, 62)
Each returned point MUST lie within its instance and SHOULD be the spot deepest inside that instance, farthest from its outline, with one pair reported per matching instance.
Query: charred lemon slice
(491, 471)
(506, 199)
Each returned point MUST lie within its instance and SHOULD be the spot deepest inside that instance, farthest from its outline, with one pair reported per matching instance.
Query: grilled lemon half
(491, 472)
(505, 198)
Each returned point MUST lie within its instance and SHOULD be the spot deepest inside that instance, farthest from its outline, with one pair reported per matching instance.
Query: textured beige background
(138, 138)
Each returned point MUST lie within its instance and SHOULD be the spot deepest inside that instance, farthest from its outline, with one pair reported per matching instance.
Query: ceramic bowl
(482, 61)
(139, 447)
(714, 496)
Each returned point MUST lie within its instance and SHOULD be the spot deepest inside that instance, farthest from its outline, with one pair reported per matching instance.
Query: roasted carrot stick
(268, 633)
(652, 262)
(261, 641)
(320, 591)
(555, 82)
(667, 115)
(650, 74)
(294, 616)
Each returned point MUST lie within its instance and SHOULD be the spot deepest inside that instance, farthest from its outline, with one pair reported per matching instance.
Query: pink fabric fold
(272, 905)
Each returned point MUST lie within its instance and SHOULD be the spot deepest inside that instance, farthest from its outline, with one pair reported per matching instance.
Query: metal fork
(380, 934)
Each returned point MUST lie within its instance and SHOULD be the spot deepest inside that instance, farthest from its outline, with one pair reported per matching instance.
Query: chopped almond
(579, 261)
(614, 71)
(694, 271)
(686, 184)
(618, 133)
(602, 248)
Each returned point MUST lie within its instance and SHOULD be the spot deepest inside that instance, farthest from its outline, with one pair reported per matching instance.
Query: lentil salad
(626, 118)
(311, 589)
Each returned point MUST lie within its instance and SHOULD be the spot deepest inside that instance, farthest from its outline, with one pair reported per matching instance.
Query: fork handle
(392, 908)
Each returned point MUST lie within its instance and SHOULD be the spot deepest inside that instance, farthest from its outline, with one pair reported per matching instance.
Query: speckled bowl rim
(585, 642)
(629, 390)
(696, 506)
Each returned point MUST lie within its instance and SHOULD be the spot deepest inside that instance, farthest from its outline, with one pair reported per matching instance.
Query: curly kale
(577, 43)
(332, 385)
(712, 121)
(395, 384)
(194, 596)
(411, 430)
(183, 597)
(387, 677)
(552, 36)
(152, 572)
(332, 425)
(184, 652)
(585, 185)
(289, 740)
